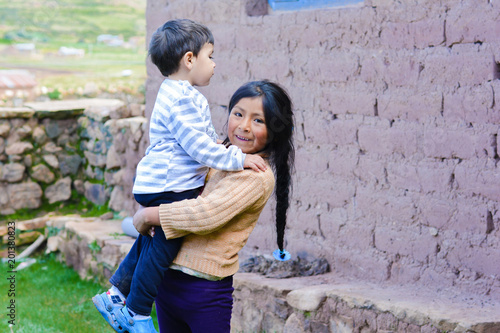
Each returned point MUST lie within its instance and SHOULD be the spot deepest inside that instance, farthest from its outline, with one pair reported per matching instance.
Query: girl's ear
(188, 60)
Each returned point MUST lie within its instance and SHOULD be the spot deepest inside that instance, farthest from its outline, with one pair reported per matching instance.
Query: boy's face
(203, 66)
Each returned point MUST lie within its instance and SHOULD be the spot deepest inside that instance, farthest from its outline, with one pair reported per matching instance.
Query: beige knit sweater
(217, 224)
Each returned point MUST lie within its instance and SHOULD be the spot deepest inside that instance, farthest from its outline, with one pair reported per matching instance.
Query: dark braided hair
(278, 115)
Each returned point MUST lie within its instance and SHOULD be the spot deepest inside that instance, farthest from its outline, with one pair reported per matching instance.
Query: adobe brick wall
(397, 130)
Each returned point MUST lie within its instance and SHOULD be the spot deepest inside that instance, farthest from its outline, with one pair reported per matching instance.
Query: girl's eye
(260, 121)
(237, 114)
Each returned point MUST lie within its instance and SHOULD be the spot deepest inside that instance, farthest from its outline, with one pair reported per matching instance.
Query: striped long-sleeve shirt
(182, 143)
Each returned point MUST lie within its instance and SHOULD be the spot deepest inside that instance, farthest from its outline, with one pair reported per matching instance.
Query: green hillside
(50, 25)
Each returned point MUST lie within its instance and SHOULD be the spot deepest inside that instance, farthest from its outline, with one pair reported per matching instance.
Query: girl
(196, 293)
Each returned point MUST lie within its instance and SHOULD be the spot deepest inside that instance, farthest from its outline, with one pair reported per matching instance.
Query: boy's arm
(187, 126)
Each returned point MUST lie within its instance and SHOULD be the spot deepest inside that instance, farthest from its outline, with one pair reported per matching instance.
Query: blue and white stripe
(182, 143)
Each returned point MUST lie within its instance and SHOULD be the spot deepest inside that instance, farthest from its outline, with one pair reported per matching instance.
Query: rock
(58, 109)
(60, 191)
(307, 299)
(79, 187)
(28, 160)
(136, 110)
(113, 159)
(42, 173)
(39, 136)
(118, 200)
(294, 325)
(97, 160)
(51, 148)
(69, 164)
(270, 267)
(53, 243)
(18, 148)
(25, 195)
(23, 131)
(4, 129)
(341, 324)
(51, 160)
(53, 129)
(106, 109)
(12, 172)
(16, 112)
(96, 193)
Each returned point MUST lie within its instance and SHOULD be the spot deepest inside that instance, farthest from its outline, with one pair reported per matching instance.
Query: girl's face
(246, 125)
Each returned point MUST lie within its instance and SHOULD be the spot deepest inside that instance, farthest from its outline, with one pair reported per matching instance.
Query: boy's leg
(109, 302)
(122, 278)
(155, 258)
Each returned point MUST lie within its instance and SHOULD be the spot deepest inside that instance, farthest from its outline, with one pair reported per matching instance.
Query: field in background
(57, 41)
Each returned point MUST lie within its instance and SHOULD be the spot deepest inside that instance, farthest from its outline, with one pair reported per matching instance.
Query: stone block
(51, 160)
(70, 164)
(441, 142)
(470, 104)
(294, 325)
(462, 23)
(307, 299)
(96, 193)
(12, 172)
(42, 173)
(18, 148)
(97, 160)
(60, 191)
(24, 195)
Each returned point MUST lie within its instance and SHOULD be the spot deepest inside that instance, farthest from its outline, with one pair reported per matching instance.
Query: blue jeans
(141, 272)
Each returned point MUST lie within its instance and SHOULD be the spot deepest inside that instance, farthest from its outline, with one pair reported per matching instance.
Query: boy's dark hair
(172, 40)
(278, 113)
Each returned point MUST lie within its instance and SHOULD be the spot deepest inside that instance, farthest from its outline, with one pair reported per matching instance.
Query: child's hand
(254, 162)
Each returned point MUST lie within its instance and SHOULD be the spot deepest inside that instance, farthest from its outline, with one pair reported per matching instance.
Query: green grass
(50, 297)
(50, 24)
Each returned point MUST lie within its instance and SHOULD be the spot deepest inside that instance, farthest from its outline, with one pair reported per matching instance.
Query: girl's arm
(231, 195)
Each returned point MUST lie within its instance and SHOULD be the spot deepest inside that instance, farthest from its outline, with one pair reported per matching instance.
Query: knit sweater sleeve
(231, 195)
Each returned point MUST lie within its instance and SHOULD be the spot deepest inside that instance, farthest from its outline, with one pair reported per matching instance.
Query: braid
(283, 164)
(279, 122)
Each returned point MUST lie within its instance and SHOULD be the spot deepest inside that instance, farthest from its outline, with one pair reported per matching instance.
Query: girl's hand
(145, 219)
(254, 162)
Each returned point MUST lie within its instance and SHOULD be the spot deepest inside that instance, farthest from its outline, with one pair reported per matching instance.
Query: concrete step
(323, 303)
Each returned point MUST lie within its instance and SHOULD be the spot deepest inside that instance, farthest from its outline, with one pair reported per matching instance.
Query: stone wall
(54, 152)
(397, 130)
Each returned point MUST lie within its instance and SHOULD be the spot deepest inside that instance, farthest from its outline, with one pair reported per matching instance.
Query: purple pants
(193, 305)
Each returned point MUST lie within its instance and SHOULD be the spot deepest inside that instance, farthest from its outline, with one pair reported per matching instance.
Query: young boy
(183, 145)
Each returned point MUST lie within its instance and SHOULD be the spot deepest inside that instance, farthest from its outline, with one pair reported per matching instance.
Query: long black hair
(278, 115)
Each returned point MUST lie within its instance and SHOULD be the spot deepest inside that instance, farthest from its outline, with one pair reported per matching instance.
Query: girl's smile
(247, 127)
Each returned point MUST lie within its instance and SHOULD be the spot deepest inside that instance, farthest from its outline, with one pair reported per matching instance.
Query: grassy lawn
(50, 297)
(52, 24)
